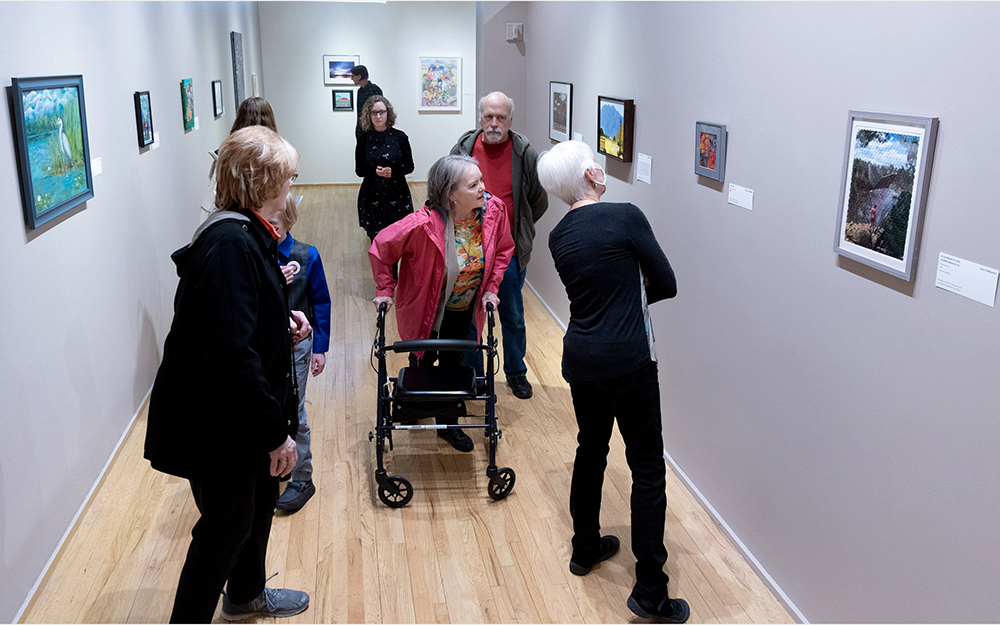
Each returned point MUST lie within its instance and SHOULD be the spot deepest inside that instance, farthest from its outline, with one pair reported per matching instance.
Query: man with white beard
(508, 162)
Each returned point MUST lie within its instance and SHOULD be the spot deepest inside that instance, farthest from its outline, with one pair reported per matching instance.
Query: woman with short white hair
(612, 267)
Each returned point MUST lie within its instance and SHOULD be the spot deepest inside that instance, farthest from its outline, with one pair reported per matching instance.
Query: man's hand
(284, 458)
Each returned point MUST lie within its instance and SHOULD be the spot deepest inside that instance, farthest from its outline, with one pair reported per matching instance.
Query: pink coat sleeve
(386, 250)
(504, 245)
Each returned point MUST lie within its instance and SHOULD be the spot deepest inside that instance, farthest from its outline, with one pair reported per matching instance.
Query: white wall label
(644, 172)
(577, 136)
(741, 196)
(968, 279)
(156, 141)
(196, 122)
(95, 166)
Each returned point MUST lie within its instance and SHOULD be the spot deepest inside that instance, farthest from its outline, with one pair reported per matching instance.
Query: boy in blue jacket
(308, 292)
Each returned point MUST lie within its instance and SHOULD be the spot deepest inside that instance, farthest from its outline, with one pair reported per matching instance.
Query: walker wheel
(506, 479)
(400, 496)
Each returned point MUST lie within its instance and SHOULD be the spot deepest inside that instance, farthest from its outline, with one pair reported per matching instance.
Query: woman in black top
(612, 267)
(382, 158)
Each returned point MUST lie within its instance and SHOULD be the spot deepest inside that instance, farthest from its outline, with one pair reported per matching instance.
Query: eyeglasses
(294, 177)
(380, 112)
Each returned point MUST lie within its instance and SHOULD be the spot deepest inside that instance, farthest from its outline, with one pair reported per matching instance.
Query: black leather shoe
(664, 611)
(295, 496)
(608, 547)
(458, 439)
(520, 386)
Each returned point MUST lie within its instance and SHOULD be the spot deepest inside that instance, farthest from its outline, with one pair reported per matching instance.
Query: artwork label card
(741, 196)
(645, 171)
(968, 279)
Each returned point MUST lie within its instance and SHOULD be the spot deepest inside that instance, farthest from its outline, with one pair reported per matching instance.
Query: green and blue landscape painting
(54, 134)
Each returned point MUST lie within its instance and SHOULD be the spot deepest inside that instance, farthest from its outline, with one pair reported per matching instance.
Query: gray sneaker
(274, 602)
(295, 496)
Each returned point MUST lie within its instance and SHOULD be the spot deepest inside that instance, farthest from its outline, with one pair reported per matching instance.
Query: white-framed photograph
(887, 167)
(560, 111)
(337, 68)
(439, 86)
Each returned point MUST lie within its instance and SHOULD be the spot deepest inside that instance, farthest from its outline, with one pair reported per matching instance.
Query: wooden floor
(453, 554)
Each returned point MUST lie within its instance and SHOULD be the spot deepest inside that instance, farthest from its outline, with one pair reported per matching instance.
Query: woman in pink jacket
(452, 254)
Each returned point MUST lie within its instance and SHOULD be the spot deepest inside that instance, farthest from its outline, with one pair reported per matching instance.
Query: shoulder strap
(215, 218)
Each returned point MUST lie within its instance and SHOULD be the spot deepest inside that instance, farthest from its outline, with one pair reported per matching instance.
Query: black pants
(228, 543)
(454, 325)
(633, 399)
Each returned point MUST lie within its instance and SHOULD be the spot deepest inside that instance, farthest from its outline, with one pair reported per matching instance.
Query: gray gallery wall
(86, 300)
(388, 37)
(843, 423)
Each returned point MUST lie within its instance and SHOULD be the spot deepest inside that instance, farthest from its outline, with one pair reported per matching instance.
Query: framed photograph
(615, 126)
(239, 89)
(187, 103)
(53, 152)
(143, 118)
(560, 111)
(887, 166)
(337, 68)
(710, 150)
(439, 84)
(343, 99)
(217, 104)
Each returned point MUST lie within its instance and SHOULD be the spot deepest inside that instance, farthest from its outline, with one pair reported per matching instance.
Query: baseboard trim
(43, 576)
(736, 542)
(716, 518)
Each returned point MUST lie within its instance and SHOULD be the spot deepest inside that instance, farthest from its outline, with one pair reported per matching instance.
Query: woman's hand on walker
(382, 300)
(490, 298)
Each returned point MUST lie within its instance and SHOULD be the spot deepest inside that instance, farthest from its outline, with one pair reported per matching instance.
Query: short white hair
(510, 104)
(561, 170)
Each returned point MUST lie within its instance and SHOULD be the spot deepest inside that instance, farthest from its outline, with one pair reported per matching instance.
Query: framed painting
(439, 83)
(887, 166)
(239, 89)
(343, 99)
(710, 150)
(187, 103)
(53, 151)
(560, 111)
(218, 106)
(615, 127)
(143, 118)
(337, 68)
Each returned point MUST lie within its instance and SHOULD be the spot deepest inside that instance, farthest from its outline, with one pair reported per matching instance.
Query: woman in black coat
(223, 411)
(382, 158)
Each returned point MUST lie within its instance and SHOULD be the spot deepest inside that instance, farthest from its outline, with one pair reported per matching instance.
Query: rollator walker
(421, 392)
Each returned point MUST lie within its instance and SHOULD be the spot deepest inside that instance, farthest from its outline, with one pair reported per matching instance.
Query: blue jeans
(511, 312)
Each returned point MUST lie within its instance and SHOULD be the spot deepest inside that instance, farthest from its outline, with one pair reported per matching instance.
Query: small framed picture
(217, 103)
(615, 126)
(143, 118)
(53, 150)
(710, 150)
(187, 103)
(337, 68)
(883, 189)
(560, 111)
(343, 99)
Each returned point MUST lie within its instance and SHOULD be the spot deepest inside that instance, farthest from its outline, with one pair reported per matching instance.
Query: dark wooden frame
(628, 123)
(19, 87)
(218, 100)
(343, 108)
(138, 118)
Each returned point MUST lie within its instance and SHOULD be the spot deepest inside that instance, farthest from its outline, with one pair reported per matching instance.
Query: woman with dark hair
(452, 254)
(223, 410)
(382, 158)
(252, 112)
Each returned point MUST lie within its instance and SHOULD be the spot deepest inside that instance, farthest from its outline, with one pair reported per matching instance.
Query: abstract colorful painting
(439, 83)
(615, 120)
(50, 127)
(710, 150)
(236, 42)
(143, 118)
(187, 103)
(337, 68)
(886, 172)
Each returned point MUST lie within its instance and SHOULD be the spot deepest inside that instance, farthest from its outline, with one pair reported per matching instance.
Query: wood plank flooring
(452, 555)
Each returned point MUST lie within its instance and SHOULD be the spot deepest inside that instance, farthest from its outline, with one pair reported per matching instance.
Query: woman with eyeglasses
(382, 158)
